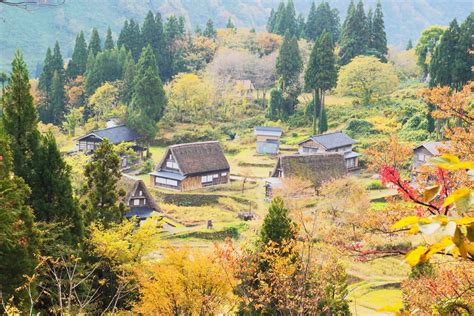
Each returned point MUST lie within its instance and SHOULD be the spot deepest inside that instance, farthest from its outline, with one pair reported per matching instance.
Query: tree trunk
(315, 114)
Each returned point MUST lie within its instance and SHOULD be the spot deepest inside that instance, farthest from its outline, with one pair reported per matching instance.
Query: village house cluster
(190, 166)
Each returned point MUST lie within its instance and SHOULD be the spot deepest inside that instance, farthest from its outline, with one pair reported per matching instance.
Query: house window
(140, 193)
(172, 165)
(421, 157)
(223, 174)
(215, 176)
(206, 179)
(136, 202)
(164, 181)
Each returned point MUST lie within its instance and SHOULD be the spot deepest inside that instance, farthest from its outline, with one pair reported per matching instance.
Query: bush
(374, 185)
(413, 136)
(357, 128)
(298, 119)
(230, 148)
(147, 167)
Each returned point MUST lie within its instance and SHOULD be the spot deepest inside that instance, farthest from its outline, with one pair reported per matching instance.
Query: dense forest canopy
(404, 19)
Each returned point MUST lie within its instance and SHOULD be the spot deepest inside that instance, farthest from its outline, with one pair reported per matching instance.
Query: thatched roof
(135, 192)
(317, 168)
(200, 157)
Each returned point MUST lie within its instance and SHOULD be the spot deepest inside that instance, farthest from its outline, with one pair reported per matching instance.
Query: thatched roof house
(190, 166)
(140, 202)
(316, 168)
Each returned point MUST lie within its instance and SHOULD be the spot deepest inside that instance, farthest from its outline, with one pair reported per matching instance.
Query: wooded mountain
(39, 27)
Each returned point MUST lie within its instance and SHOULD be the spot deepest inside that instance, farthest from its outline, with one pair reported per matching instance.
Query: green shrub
(374, 185)
(147, 166)
(359, 128)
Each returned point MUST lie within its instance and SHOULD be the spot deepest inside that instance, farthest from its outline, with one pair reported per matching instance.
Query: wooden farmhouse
(191, 166)
(245, 87)
(115, 134)
(336, 142)
(424, 152)
(140, 202)
(317, 168)
(268, 139)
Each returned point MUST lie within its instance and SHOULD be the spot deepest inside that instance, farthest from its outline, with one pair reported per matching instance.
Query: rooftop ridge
(103, 129)
(324, 134)
(194, 143)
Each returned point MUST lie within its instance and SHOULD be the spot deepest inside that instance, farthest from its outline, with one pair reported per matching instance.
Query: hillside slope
(35, 29)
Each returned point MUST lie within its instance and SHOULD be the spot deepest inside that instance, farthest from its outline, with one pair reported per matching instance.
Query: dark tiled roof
(433, 147)
(116, 134)
(134, 192)
(316, 168)
(201, 157)
(333, 140)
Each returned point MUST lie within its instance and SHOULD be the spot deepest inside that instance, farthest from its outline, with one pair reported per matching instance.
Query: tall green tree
(128, 79)
(425, 47)
(322, 19)
(46, 77)
(289, 62)
(321, 73)
(300, 26)
(94, 42)
(271, 21)
(409, 44)
(55, 109)
(52, 196)
(20, 119)
(354, 35)
(109, 41)
(18, 238)
(209, 31)
(464, 58)
(285, 19)
(230, 24)
(323, 121)
(102, 174)
(152, 34)
(378, 37)
(148, 98)
(78, 62)
(277, 225)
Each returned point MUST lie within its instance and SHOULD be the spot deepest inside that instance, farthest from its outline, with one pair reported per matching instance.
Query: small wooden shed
(268, 139)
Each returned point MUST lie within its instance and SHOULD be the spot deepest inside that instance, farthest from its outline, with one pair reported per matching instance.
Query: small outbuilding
(268, 139)
(336, 142)
(191, 166)
(424, 152)
(316, 168)
(140, 202)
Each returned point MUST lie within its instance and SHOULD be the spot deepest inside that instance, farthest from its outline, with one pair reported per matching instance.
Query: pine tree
(277, 225)
(92, 80)
(230, 25)
(198, 31)
(46, 76)
(320, 20)
(290, 19)
(56, 107)
(128, 79)
(94, 42)
(109, 41)
(464, 57)
(323, 121)
(78, 62)
(279, 25)
(18, 239)
(102, 174)
(321, 73)
(209, 31)
(370, 29)
(52, 196)
(409, 45)
(443, 62)
(377, 34)
(124, 35)
(20, 119)
(152, 34)
(271, 21)
(289, 63)
(300, 26)
(161, 55)
(148, 99)
(354, 37)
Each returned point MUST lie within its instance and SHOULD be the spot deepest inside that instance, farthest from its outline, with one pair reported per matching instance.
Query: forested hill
(37, 28)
